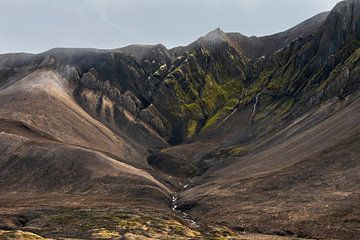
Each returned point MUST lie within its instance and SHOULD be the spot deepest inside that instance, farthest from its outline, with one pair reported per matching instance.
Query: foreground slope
(302, 180)
(228, 134)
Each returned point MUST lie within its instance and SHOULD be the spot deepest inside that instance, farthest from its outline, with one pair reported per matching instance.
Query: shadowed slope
(311, 168)
(46, 133)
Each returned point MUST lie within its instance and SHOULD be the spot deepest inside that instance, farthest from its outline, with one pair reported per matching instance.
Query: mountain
(229, 134)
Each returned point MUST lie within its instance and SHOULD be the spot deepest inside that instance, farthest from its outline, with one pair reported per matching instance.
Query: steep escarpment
(205, 77)
(299, 150)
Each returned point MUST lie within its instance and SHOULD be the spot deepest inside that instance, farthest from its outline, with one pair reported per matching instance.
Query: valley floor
(79, 217)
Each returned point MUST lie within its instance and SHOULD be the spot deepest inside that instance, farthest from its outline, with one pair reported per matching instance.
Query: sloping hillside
(228, 134)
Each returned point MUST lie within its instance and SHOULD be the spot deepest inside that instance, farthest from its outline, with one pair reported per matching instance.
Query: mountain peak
(215, 35)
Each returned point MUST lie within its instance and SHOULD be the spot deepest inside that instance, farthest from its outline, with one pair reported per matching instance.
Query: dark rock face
(188, 87)
(154, 117)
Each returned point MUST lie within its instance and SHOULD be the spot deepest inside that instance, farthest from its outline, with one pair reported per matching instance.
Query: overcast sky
(38, 25)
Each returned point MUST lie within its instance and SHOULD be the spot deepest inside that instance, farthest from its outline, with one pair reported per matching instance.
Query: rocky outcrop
(129, 101)
(70, 73)
(152, 116)
(187, 90)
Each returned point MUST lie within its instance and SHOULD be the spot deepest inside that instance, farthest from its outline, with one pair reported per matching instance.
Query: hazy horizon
(29, 26)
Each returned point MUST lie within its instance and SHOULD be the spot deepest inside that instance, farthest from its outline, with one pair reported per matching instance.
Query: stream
(223, 121)
(252, 116)
(184, 215)
(235, 109)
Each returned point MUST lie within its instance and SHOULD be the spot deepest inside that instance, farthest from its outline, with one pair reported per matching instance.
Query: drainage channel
(184, 215)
